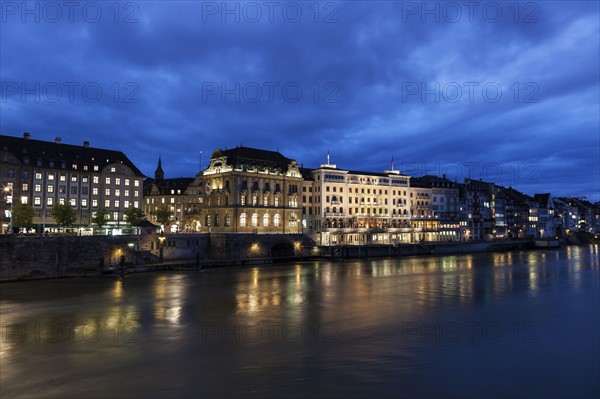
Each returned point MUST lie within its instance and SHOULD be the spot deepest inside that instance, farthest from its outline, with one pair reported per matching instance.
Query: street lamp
(11, 189)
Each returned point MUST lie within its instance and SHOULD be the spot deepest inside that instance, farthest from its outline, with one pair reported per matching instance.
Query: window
(95, 203)
(74, 178)
(50, 188)
(243, 220)
(227, 220)
(254, 199)
(127, 193)
(107, 180)
(243, 200)
(51, 176)
(137, 184)
(37, 201)
(266, 220)
(126, 204)
(84, 179)
(107, 191)
(276, 200)
(84, 203)
(24, 200)
(266, 200)
(117, 181)
(49, 201)
(136, 193)
(126, 182)
(73, 202)
(207, 220)
(62, 177)
(254, 219)
(172, 200)
(74, 190)
(117, 203)
(38, 176)
(117, 192)
(107, 203)
(24, 187)
(276, 220)
(84, 191)
(217, 220)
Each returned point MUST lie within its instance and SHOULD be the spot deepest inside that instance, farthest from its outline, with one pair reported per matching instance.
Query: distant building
(249, 190)
(42, 173)
(173, 194)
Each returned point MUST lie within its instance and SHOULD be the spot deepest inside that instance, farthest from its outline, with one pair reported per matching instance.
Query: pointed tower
(158, 173)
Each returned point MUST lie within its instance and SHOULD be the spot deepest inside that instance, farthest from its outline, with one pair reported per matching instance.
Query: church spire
(158, 173)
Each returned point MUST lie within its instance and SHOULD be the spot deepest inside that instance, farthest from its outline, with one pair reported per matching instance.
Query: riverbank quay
(31, 257)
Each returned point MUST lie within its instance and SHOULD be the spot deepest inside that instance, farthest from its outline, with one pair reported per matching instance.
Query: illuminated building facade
(354, 207)
(42, 173)
(249, 190)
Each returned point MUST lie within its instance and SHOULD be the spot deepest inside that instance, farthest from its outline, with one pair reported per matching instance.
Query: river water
(489, 325)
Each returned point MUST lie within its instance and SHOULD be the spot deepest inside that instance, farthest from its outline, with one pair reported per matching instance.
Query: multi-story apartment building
(439, 208)
(174, 194)
(355, 207)
(41, 174)
(249, 190)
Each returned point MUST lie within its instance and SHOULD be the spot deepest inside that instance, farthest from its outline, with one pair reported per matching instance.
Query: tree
(22, 215)
(100, 219)
(163, 215)
(63, 214)
(134, 216)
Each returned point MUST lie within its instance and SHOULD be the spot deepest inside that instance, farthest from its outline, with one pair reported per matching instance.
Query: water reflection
(327, 319)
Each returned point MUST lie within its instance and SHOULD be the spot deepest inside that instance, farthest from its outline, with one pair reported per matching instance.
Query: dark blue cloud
(361, 76)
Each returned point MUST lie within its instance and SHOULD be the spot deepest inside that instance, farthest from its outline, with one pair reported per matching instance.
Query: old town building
(41, 174)
(249, 190)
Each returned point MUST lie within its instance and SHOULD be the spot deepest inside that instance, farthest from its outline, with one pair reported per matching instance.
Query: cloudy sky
(504, 91)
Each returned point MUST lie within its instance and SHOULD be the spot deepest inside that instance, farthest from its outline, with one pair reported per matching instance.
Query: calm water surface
(504, 325)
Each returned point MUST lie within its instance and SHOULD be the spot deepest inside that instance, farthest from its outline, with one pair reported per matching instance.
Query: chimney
(86, 144)
(26, 135)
(58, 140)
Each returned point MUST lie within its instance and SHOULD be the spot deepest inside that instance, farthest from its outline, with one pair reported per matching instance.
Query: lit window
(266, 220)
(243, 220)
(107, 180)
(37, 201)
(117, 181)
(51, 176)
(126, 182)
(49, 201)
(50, 188)
(254, 219)
(96, 179)
(276, 220)
(24, 200)
(63, 177)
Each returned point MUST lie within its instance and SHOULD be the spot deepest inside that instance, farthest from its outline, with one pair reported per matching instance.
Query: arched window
(243, 220)
(207, 220)
(276, 220)
(254, 219)
(227, 220)
(243, 199)
(276, 200)
(254, 199)
(217, 220)
(266, 200)
(266, 220)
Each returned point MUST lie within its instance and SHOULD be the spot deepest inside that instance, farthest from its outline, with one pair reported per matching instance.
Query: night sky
(504, 91)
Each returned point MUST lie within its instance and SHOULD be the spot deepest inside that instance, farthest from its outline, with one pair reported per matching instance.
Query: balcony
(400, 216)
(334, 214)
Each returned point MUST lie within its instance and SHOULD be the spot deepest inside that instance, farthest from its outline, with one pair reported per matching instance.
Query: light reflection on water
(300, 329)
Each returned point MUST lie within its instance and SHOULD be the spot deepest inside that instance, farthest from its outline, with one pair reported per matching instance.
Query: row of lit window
(37, 201)
(84, 179)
